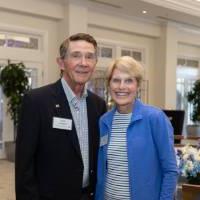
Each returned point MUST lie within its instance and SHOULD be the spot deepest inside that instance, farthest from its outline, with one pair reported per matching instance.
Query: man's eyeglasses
(78, 56)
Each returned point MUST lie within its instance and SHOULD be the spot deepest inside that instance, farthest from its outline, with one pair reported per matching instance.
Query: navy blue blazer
(48, 164)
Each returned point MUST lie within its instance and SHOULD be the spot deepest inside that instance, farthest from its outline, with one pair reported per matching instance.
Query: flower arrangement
(188, 161)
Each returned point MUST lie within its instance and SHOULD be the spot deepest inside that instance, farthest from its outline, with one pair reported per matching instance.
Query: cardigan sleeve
(164, 141)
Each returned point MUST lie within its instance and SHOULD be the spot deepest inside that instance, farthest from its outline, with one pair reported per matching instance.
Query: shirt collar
(71, 97)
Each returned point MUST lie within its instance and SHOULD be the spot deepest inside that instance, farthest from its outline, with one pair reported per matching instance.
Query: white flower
(188, 161)
(189, 165)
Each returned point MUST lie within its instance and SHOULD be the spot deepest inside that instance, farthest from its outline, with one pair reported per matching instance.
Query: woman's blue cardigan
(151, 157)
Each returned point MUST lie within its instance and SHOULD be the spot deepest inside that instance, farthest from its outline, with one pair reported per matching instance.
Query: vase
(190, 192)
(194, 180)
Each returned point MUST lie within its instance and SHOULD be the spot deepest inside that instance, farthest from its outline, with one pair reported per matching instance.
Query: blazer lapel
(64, 111)
(91, 128)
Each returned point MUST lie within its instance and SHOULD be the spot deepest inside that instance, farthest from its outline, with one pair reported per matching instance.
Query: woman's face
(123, 89)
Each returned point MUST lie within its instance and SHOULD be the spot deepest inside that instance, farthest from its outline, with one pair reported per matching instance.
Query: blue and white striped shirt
(117, 180)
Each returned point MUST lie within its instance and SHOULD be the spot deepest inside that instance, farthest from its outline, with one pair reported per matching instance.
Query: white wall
(50, 9)
(117, 22)
(188, 50)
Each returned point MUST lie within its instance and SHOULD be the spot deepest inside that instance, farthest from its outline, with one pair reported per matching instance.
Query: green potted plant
(14, 83)
(194, 98)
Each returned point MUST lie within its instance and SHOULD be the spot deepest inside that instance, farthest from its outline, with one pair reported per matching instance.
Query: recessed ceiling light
(144, 11)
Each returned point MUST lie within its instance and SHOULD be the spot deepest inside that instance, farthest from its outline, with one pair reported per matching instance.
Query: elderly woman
(136, 153)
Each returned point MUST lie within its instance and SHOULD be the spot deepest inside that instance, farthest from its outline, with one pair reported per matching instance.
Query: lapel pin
(57, 106)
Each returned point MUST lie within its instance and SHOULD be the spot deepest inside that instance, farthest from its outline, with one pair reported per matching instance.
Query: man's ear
(60, 62)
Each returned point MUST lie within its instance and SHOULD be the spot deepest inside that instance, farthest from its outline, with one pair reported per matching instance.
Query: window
(18, 40)
(188, 62)
(98, 84)
(137, 54)
(183, 86)
(32, 74)
(186, 73)
(105, 51)
(143, 91)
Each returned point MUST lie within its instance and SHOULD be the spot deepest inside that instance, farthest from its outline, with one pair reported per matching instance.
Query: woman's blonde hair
(128, 65)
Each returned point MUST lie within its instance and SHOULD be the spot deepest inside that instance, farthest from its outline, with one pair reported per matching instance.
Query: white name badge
(62, 123)
(103, 140)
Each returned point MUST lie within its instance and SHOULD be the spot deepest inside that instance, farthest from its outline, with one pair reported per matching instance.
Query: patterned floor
(7, 191)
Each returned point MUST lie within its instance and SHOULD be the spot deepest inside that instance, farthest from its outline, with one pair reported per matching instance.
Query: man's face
(79, 63)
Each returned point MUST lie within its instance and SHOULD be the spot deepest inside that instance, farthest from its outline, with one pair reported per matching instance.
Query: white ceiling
(182, 11)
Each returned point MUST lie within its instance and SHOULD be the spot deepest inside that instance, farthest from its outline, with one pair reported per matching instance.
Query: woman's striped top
(117, 180)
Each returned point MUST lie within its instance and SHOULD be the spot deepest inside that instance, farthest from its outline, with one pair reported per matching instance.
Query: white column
(170, 66)
(75, 18)
(165, 73)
